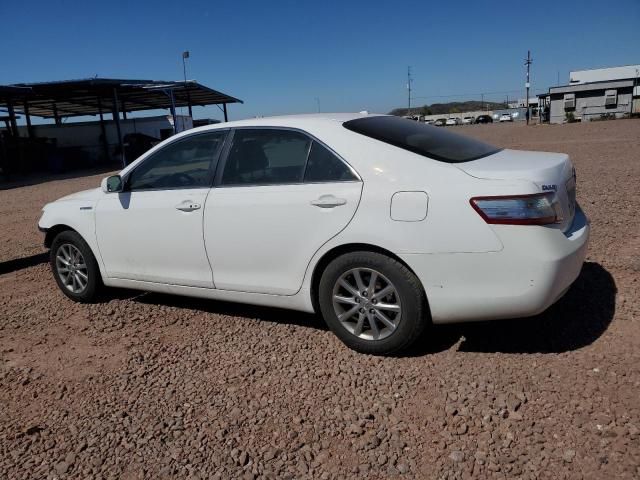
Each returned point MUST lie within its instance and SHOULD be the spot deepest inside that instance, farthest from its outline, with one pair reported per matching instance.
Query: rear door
(279, 196)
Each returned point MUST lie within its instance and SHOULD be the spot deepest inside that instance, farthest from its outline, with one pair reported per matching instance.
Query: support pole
(12, 120)
(224, 109)
(103, 131)
(16, 135)
(173, 111)
(4, 161)
(56, 117)
(116, 119)
(124, 111)
(30, 132)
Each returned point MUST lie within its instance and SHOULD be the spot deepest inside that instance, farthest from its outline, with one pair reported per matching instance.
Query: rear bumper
(534, 269)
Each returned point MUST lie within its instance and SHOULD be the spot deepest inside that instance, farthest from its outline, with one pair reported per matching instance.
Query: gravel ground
(153, 386)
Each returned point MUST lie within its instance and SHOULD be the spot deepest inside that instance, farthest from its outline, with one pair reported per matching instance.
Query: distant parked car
(484, 119)
(467, 120)
(505, 117)
(453, 121)
(440, 122)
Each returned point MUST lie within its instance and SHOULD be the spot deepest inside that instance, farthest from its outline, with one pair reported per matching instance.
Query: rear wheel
(373, 303)
(74, 267)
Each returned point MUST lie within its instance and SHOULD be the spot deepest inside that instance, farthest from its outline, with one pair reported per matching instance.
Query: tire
(65, 248)
(405, 308)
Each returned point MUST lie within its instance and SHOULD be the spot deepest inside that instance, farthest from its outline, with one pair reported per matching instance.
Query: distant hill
(451, 107)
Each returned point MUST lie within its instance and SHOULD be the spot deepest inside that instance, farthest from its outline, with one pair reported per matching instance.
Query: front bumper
(534, 269)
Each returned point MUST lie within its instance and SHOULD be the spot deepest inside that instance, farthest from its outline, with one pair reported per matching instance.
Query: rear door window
(324, 166)
(265, 157)
(435, 143)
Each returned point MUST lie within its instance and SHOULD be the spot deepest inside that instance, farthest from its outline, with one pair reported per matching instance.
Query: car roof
(303, 121)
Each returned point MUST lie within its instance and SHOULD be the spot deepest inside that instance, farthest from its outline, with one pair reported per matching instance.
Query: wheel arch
(339, 250)
(53, 232)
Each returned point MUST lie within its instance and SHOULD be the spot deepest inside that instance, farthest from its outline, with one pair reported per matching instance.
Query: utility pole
(633, 93)
(318, 103)
(528, 63)
(409, 80)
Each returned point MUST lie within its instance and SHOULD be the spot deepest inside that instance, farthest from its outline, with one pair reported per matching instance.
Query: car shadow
(575, 321)
(267, 314)
(24, 262)
(30, 180)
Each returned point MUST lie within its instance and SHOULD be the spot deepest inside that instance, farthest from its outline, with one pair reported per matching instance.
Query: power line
(501, 92)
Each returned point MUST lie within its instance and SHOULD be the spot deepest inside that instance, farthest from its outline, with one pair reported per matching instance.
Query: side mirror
(112, 184)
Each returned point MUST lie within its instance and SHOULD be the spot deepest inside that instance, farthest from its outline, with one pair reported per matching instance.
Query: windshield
(436, 143)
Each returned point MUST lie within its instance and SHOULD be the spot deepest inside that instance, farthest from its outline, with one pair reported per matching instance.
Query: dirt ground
(153, 386)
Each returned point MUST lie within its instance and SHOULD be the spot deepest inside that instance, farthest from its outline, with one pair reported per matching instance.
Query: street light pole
(185, 55)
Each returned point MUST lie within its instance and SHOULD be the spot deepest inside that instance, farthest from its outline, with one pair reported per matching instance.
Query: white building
(604, 74)
(593, 95)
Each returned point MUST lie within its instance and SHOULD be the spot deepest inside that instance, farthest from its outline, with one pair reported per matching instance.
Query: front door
(152, 231)
(278, 198)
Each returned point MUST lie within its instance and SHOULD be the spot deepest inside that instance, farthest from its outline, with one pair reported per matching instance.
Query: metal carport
(97, 96)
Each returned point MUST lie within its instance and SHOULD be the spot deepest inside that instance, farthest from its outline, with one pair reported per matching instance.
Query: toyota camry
(380, 224)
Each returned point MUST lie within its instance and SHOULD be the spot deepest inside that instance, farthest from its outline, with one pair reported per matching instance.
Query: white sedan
(506, 117)
(383, 225)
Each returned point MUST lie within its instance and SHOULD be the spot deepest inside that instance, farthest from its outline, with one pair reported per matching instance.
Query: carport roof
(95, 95)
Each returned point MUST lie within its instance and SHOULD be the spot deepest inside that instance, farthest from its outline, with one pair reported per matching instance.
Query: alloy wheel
(367, 304)
(72, 269)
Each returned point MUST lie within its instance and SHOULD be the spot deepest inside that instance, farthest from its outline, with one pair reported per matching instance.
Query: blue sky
(278, 56)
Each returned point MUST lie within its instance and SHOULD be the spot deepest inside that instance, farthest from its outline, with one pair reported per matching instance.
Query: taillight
(536, 209)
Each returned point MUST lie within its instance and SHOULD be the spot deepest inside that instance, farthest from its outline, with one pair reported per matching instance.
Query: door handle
(328, 201)
(187, 206)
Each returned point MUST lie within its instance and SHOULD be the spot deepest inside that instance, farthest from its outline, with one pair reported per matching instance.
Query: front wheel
(74, 267)
(372, 302)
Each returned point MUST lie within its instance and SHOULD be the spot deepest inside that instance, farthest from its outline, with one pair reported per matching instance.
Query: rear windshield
(433, 142)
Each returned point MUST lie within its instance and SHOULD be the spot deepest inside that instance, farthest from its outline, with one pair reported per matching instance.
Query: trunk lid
(548, 171)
